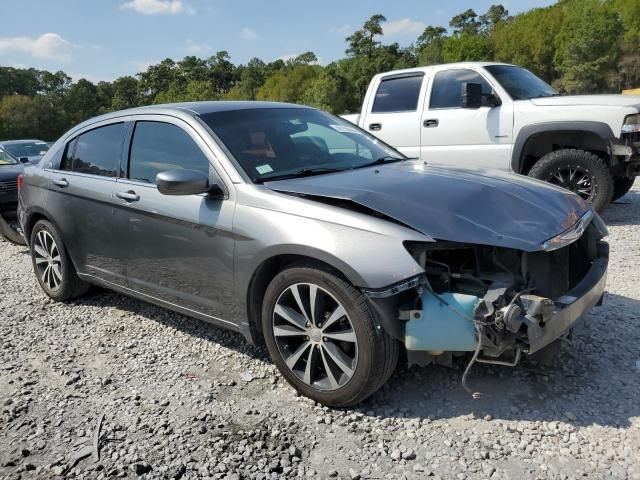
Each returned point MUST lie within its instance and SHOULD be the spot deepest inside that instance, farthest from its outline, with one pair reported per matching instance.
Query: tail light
(20, 182)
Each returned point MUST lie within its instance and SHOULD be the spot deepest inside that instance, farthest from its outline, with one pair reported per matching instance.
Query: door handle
(431, 123)
(129, 196)
(375, 126)
(62, 182)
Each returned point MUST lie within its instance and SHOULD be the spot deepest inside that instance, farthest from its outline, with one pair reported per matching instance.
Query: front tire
(621, 185)
(51, 263)
(584, 173)
(323, 339)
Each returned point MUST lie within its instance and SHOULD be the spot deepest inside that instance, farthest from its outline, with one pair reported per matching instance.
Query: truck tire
(9, 231)
(621, 185)
(584, 173)
(333, 352)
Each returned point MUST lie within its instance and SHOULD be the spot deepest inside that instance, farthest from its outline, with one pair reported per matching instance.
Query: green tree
(363, 41)
(429, 45)
(526, 40)
(467, 47)
(495, 15)
(81, 102)
(466, 22)
(289, 85)
(125, 93)
(587, 45)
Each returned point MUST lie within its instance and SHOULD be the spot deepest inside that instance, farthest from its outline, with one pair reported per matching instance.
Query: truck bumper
(625, 158)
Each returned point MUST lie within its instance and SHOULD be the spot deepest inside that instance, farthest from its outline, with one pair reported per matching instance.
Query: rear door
(465, 137)
(394, 112)
(81, 200)
(180, 248)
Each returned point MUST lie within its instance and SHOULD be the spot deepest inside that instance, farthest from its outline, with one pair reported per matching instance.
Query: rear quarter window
(398, 94)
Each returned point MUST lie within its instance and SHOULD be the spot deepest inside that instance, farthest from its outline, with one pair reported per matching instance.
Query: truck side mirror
(471, 95)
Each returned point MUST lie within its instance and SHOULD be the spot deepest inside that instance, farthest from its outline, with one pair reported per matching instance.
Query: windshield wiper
(382, 160)
(305, 172)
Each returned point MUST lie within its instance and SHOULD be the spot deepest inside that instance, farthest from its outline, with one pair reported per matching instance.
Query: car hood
(470, 206)
(9, 173)
(586, 100)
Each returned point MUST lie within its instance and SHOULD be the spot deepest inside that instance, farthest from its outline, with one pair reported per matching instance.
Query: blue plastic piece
(440, 328)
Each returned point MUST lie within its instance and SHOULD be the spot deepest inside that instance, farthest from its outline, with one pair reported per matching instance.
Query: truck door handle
(431, 123)
(375, 126)
(62, 182)
(129, 196)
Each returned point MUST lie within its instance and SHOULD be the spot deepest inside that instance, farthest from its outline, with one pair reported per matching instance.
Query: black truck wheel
(584, 173)
(621, 185)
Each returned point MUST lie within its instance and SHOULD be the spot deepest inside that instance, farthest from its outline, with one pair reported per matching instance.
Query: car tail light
(20, 182)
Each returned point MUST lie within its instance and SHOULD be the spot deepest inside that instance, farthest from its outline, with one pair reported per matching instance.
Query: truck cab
(498, 116)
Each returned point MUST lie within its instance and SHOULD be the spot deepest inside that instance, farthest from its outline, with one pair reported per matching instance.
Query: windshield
(27, 149)
(274, 143)
(6, 159)
(521, 84)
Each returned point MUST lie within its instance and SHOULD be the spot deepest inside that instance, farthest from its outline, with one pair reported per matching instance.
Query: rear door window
(447, 87)
(157, 147)
(398, 94)
(96, 152)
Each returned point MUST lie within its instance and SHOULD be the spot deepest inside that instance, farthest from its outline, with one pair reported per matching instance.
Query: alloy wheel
(575, 179)
(315, 336)
(47, 259)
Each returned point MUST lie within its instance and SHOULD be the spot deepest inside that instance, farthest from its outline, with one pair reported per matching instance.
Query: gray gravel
(182, 399)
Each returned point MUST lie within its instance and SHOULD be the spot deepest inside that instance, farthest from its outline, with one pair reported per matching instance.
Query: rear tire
(9, 230)
(51, 263)
(621, 185)
(582, 172)
(304, 341)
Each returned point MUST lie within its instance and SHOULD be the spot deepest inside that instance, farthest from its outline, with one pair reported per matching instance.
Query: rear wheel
(51, 263)
(10, 229)
(584, 173)
(323, 339)
(621, 185)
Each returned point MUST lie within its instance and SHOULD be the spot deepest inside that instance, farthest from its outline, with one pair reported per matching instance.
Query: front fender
(600, 129)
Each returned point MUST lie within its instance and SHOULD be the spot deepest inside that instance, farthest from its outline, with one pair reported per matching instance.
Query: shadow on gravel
(191, 326)
(625, 211)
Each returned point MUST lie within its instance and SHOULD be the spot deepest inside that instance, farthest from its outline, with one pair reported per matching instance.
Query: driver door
(465, 137)
(180, 248)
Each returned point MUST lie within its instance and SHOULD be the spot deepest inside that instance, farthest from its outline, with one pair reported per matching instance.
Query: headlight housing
(631, 123)
(570, 235)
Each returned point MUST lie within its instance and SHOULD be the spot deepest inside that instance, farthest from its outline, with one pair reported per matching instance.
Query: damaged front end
(497, 302)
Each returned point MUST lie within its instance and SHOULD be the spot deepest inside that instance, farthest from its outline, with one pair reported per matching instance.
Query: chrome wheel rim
(315, 336)
(47, 260)
(575, 179)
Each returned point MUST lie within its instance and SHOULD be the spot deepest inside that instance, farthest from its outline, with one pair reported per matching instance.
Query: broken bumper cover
(560, 316)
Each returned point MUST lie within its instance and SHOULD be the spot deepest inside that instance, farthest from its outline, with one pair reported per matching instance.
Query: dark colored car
(298, 229)
(32, 150)
(10, 169)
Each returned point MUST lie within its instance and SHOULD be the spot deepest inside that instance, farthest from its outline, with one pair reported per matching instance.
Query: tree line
(579, 46)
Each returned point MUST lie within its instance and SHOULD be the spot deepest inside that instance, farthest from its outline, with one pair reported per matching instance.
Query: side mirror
(471, 95)
(24, 160)
(182, 182)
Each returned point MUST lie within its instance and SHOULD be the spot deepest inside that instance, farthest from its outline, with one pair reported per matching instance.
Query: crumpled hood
(470, 206)
(587, 100)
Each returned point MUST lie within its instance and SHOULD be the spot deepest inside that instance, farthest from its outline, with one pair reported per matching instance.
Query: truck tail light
(20, 182)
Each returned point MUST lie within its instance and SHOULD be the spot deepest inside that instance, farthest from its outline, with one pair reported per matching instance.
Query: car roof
(188, 108)
(428, 68)
(16, 142)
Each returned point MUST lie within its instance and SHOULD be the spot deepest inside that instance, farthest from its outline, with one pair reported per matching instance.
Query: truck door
(394, 112)
(465, 137)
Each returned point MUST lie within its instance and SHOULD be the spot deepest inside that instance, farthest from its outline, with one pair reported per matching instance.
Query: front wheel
(584, 173)
(323, 339)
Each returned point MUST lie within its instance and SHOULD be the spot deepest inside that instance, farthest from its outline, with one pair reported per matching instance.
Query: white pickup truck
(498, 116)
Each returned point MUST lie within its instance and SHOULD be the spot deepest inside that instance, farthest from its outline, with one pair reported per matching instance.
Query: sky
(106, 39)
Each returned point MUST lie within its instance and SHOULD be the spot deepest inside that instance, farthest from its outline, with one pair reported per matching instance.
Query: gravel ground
(182, 399)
